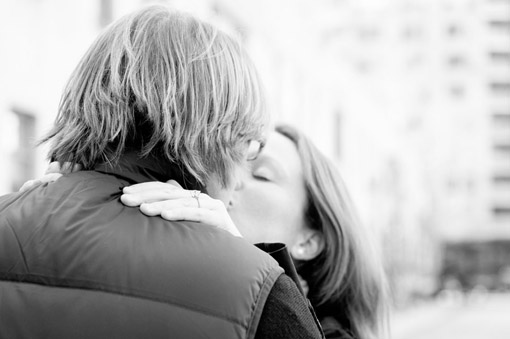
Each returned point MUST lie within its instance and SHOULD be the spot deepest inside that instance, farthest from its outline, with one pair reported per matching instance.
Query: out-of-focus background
(411, 98)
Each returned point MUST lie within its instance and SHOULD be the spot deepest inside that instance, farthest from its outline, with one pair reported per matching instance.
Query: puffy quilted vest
(76, 263)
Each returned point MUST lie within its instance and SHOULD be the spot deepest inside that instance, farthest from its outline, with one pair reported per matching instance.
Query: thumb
(174, 183)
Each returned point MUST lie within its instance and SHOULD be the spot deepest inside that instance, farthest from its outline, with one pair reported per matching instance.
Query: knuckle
(52, 177)
(200, 215)
(167, 190)
(26, 185)
(164, 205)
(174, 183)
(171, 215)
(190, 202)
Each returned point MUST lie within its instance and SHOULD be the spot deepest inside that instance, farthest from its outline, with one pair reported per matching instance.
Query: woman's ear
(309, 245)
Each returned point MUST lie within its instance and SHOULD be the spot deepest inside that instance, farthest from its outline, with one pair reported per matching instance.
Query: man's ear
(309, 245)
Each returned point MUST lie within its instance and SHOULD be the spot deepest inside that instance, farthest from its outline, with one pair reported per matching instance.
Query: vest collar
(137, 170)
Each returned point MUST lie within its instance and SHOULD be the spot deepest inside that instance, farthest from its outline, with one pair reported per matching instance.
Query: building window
(500, 24)
(501, 118)
(500, 56)
(456, 60)
(501, 211)
(500, 87)
(501, 179)
(457, 91)
(453, 30)
(502, 148)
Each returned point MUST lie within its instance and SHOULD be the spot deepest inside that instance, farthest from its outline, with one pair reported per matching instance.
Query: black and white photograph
(334, 169)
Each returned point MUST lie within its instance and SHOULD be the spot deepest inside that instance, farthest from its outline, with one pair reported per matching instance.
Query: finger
(29, 184)
(201, 215)
(77, 168)
(47, 178)
(137, 199)
(158, 207)
(175, 183)
(53, 167)
(195, 214)
(66, 168)
(152, 185)
(129, 200)
(153, 195)
(50, 177)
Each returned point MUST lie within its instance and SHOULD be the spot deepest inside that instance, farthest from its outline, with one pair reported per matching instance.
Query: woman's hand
(53, 172)
(172, 202)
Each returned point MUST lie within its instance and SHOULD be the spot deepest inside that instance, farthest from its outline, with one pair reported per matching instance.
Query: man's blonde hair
(162, 83)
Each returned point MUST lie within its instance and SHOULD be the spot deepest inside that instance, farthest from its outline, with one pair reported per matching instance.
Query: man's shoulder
(72, 183)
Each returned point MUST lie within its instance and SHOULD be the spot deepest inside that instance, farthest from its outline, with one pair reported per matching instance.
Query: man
(158, 95)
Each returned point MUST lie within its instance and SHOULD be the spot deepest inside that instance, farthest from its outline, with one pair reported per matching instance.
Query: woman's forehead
(282, 151)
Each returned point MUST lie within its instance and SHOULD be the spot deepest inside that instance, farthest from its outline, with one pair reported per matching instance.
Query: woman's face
(268, 204)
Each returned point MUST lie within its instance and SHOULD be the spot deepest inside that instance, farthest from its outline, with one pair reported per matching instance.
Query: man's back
(75, 262)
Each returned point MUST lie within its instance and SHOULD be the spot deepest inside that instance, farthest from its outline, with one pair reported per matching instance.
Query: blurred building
(42, 41)
(498, 56)
(425, 109)
(411, 98)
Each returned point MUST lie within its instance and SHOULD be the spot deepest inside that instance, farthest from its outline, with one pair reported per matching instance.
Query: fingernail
(128, 200)
(147, 209)
(167, 214)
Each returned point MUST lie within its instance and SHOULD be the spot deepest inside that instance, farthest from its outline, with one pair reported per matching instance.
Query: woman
(293, 194)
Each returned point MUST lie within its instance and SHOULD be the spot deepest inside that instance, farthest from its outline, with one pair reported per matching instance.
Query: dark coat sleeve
(287, 314)
(280, 253)
(333, 330)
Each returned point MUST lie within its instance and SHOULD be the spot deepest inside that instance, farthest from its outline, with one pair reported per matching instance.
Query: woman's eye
(260, 177)
(261, 174)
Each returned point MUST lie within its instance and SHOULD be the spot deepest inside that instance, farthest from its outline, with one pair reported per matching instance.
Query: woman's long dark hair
(345, 280)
